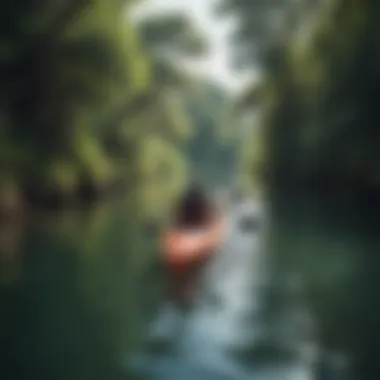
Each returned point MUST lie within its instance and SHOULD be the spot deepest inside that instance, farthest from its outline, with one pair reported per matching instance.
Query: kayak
(185, 251)
(181, 246)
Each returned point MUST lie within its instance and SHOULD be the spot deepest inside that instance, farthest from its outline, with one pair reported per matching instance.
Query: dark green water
(74, 292)
(76, 288)
(332, 239)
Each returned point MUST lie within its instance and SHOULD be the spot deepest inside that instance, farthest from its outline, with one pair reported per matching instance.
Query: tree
(82, 86)
(63, 65)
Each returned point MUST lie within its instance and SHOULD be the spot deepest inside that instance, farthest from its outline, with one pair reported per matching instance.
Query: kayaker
(194, 209)
(186, 246)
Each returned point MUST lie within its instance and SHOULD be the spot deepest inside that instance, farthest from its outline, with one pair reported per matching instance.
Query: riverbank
(16, 199)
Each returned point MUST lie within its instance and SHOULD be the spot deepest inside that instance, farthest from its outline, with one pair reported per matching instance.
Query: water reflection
(226, 333)
(76, 306)
(77, 292)
(332, 239)
(11, 233)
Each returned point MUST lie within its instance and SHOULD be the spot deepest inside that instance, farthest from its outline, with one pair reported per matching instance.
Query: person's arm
(204, 242)
(177, 246)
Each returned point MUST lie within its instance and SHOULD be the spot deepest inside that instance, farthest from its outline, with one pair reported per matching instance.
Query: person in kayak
(186, 246)
(194, 209)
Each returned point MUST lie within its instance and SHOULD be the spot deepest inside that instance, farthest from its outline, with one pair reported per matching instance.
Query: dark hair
(194, 208)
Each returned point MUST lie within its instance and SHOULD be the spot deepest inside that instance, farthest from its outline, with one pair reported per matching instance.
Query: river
(77, 301)
(229, 332)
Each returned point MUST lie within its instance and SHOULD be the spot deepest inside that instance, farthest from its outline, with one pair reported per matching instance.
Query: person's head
(194, 207)
(195, 196)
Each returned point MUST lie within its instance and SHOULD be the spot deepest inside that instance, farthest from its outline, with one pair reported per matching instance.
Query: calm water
(81, 298)
(74, 292)
(332, 238)
(229, 332)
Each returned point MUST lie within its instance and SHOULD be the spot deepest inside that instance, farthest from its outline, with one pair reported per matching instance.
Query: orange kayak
(181, 246)
(185, 252)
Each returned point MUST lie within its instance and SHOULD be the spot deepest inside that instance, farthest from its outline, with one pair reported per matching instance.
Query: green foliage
(61, 62)
(163, 173)
(325, 104)
(313, 97)
(81, 89)
(171, 33)
(251, 161)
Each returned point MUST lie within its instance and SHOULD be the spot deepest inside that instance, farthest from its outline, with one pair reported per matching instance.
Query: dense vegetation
(89, 100)
(63, 70)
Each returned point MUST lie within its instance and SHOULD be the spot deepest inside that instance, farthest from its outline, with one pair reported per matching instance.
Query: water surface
(81, 298)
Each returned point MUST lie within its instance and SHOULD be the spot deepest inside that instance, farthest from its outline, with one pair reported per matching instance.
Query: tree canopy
(82, 87)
